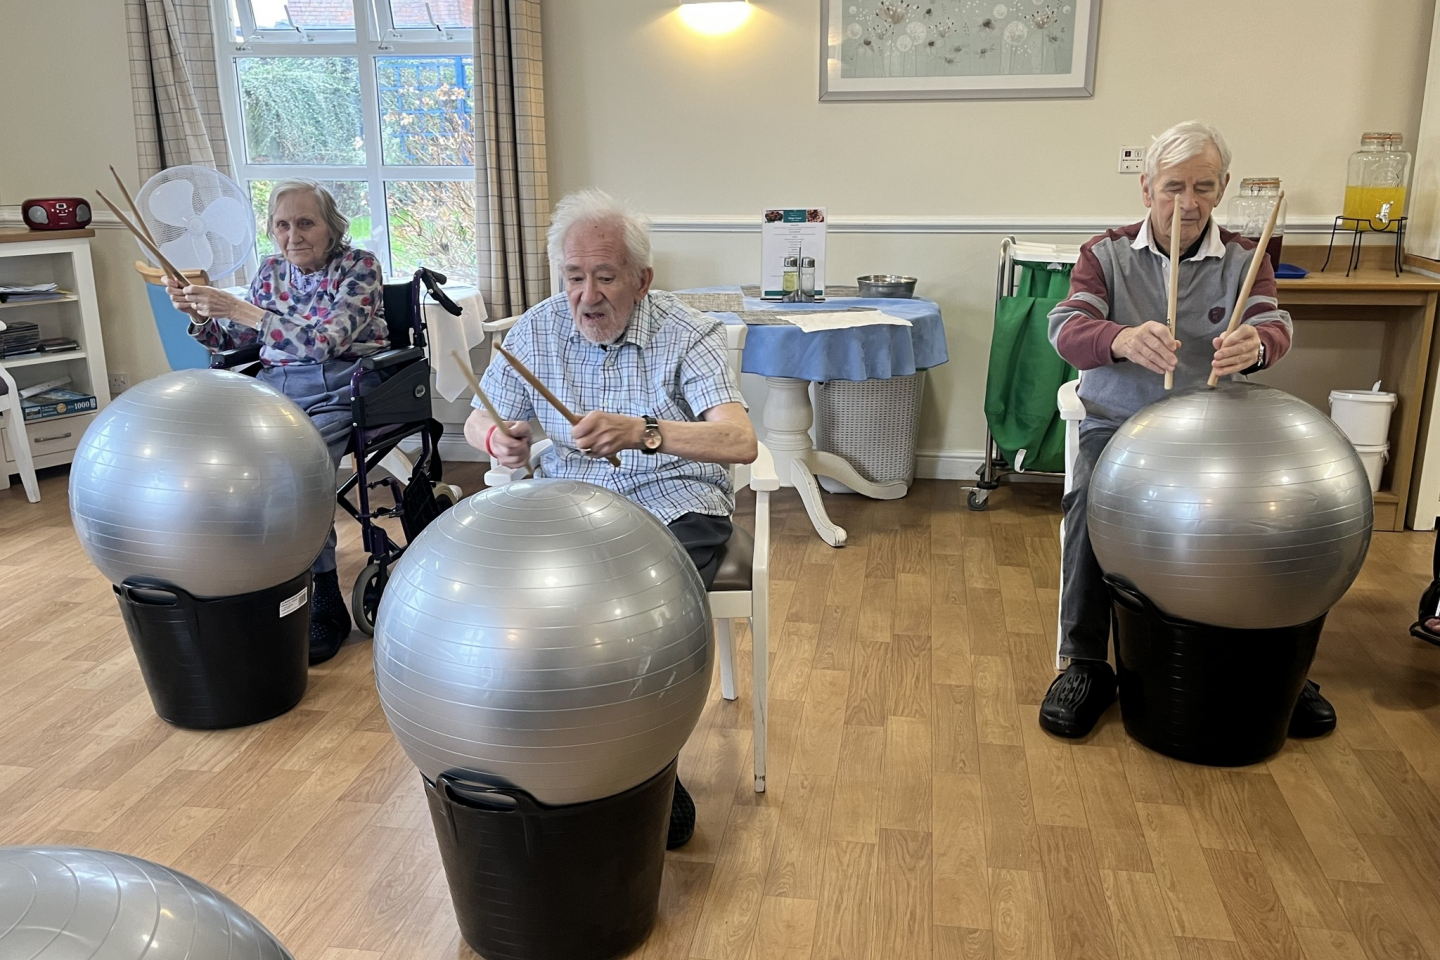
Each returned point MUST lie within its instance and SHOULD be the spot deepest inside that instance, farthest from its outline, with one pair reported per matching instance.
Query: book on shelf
(58, 402)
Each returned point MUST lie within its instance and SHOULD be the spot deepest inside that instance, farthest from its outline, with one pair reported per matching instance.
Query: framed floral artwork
(957, 49)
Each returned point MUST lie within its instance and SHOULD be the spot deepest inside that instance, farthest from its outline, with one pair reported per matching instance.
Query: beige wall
(704, 128)
(709, 129)
(65, 82)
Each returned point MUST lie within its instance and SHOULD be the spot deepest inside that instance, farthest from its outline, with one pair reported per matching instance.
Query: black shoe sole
(1070, 731)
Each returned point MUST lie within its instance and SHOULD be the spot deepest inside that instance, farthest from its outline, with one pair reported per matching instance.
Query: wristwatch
(1260, 359)
(650, 440)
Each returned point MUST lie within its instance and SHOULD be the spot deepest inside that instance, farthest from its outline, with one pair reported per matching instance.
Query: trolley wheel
(978, 499)
(365, 598)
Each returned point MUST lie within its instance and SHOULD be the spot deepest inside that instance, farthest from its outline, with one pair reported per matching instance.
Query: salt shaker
(807, 279)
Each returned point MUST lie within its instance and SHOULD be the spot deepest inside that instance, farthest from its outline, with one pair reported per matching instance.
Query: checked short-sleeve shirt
(669, 363)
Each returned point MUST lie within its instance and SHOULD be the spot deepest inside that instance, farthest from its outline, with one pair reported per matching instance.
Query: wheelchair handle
(432, 281)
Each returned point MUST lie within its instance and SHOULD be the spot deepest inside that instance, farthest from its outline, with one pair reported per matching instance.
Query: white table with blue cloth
(790, 359)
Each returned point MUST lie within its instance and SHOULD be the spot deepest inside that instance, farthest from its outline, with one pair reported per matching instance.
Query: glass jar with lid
(1375, 184)
(1250, 210)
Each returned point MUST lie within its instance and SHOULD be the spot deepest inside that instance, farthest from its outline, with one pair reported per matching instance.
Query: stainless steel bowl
(886, 285)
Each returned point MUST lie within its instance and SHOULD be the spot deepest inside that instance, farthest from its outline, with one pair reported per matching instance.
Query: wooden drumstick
(484, 400)
(1238, 314)
(1174, 299)
(139, 220)
(146, 242)
(544, 391)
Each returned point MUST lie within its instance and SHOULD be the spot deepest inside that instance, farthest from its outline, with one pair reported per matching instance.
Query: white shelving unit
(62, 258)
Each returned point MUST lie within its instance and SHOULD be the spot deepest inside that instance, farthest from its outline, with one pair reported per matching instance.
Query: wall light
(714, 17)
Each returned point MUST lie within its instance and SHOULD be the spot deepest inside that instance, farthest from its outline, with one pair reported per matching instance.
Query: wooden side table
(1401, 312)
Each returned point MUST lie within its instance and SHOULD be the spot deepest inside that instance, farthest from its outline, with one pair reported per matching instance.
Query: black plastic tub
(224, 662)
(532, 882)
(1218, 696)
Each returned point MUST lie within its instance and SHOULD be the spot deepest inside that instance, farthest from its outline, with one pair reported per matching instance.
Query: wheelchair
(388, 414)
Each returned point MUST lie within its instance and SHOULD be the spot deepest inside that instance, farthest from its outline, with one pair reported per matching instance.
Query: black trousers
(704, 538)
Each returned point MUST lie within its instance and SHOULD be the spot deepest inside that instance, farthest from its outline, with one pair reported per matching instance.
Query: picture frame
(957, 49)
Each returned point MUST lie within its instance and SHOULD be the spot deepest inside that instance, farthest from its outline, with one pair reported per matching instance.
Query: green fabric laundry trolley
(1023, 429)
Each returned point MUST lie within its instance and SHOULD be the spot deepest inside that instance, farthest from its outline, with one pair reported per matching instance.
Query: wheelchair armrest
(230, 359)
(391, 358)
(538, 451)
(762, 471)
(1068, 399)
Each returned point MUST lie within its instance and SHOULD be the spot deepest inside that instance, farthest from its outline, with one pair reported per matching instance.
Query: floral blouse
(336, 312)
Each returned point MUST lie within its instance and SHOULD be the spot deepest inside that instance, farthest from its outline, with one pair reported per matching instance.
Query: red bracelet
(488, 434)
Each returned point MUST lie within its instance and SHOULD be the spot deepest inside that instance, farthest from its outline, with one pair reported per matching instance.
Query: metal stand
(1357, 226)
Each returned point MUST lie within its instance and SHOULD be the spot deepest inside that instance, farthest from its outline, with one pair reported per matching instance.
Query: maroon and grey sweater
(1115, 285)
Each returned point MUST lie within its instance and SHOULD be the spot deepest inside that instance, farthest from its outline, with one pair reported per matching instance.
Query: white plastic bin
(1364, 415)
(1374, 457)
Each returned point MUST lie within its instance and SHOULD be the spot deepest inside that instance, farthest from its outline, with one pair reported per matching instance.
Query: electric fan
(200, 218)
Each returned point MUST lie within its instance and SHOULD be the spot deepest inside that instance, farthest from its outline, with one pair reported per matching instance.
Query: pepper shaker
(790, 279)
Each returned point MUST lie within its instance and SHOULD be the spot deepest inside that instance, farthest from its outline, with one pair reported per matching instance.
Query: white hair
(591, 206)
(1182, 142)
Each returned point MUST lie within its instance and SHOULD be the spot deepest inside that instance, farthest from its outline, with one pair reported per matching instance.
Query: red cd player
(56, 213)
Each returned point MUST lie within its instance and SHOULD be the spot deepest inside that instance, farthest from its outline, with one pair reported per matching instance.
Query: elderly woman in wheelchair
(315, 311)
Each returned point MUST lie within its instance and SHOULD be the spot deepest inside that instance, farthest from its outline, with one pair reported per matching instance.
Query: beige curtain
(512, 193)
(172, 80)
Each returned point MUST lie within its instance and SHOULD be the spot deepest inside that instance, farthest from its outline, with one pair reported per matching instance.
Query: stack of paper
(22, 293)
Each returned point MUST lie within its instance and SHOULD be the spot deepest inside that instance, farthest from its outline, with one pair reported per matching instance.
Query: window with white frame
(374, 99)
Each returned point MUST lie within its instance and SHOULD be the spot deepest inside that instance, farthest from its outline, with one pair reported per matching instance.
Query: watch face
(652, 438)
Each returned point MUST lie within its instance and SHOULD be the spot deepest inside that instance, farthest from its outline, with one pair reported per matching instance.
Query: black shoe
(1077, 698)
(1313, 716)
(329, 620)
(682, 817)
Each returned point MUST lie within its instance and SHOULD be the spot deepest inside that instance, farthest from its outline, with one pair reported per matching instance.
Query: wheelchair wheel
(446, 496)
(365, 598)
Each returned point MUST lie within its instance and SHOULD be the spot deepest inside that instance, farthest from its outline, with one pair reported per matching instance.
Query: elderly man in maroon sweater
(1107, 327)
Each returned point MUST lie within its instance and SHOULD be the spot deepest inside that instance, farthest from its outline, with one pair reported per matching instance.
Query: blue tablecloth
(855, 353)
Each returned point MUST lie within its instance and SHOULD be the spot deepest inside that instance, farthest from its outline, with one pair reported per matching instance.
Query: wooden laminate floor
(915, 810)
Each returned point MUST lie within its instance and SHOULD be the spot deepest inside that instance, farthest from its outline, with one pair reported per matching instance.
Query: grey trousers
(322, 390)
(1084, 598)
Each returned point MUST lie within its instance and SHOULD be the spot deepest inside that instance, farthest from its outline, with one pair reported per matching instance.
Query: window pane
(301, 110)
(307, 14)
(432, 223)
(351, 196)
(426, 108)
(448, 13)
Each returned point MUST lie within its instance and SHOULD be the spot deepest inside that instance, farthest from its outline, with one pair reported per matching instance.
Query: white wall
(66, 113)
(699, 131)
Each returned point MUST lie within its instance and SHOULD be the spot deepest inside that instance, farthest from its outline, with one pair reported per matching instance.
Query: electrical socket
(118, 382)
(1132, 159)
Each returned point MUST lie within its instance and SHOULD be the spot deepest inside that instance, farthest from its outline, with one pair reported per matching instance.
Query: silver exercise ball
(208, 480)
(1236, 507)
(549, 634)
(70, 903)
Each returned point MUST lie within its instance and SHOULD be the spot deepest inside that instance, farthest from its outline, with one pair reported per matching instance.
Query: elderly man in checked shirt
(649, 379)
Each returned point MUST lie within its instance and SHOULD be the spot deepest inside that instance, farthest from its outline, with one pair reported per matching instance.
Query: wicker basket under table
(872, 424)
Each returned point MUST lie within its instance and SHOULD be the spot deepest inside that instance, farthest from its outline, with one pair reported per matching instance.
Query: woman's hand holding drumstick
(544, 391)
(1238, 313)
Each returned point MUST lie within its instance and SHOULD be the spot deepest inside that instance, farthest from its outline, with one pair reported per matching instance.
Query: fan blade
(230, 219)
(173, 202)
(188, 253)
